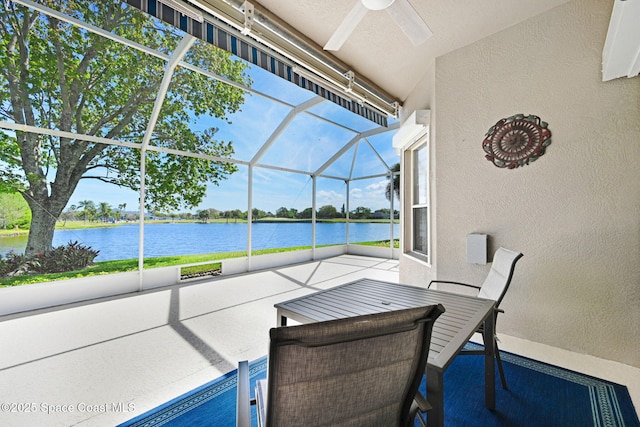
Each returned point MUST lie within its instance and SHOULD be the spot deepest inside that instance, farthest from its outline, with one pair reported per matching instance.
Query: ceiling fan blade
(346, 27)
(409, 21)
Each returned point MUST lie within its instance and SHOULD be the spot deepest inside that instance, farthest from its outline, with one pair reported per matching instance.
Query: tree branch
(127, 111)
(65, 114)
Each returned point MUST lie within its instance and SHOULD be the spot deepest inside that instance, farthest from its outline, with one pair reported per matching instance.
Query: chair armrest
(419, 405)
(421, 402)
(454, 283)
(243, 410)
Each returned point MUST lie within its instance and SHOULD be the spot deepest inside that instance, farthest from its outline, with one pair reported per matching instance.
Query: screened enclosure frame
(174, 60)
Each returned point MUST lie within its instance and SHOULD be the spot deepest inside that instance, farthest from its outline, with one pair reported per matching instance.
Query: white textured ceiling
(379, 50)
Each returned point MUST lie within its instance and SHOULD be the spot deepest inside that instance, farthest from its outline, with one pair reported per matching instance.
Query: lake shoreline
(79, 225)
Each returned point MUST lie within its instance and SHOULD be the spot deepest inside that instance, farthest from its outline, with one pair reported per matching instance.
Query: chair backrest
(499, 277)
(358, 371)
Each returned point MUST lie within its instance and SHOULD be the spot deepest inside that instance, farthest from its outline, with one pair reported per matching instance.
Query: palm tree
(88, 208)
(395, 181)
(105, 211)
(121, 208)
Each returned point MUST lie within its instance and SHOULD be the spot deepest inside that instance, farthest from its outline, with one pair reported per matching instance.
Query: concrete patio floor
(105, 361)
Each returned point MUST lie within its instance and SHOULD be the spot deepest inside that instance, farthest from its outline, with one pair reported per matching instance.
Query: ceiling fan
(401, 11)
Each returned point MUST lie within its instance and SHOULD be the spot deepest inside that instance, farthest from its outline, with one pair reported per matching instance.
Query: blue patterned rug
(539, 395)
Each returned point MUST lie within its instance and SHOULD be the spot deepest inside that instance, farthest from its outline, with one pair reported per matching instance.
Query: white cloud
(371, 195)
(377, 187)
(329, 198)
(377, 190)
(356, 193)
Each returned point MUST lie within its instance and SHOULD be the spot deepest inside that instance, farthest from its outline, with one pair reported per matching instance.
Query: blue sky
(305, 145)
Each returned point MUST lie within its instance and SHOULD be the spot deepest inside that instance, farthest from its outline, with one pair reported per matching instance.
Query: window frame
(414, 200)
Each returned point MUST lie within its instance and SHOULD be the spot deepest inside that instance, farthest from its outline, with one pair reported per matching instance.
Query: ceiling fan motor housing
(377, 4)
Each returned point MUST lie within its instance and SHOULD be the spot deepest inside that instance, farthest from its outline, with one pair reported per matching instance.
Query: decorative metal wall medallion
(516, 141)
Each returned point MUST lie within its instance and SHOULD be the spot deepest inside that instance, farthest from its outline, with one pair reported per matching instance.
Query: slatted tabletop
(451, 331)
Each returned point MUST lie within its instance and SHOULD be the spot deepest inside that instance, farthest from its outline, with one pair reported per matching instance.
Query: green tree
(14, 211)
(203, 215)
(104, 211)
(121, 208)
(237, 213)
(213, 213)
(88, 209)
(54, 75)
(361, 213)
(327, 212)
(305, 214)
(282, 212)
(257, 213)
(187, 215)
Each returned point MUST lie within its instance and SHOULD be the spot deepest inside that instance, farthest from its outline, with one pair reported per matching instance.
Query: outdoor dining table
(451, 331)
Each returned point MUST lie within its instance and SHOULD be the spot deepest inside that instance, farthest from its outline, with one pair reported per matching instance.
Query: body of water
(193, 238)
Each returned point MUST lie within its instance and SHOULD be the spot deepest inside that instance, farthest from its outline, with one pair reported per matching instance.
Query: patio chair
(494, 287)
(357, 371)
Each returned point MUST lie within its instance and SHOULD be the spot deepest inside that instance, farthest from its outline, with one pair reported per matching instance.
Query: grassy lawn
(110, 267)
(13, 232)
(65, 225)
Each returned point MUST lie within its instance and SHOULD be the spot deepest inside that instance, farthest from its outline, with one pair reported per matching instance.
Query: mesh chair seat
(358, 371)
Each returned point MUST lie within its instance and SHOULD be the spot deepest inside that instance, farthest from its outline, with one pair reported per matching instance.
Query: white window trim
(421, 143)
(413, 132)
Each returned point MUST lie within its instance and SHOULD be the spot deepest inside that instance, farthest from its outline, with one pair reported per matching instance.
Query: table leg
(489, 362)
(435, 397)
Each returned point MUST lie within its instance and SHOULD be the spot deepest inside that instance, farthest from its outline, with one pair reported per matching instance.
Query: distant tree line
(102, 212)
(324, 212)
(90, 211)
(15, 213)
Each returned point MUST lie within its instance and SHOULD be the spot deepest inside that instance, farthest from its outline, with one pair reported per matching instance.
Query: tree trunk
(44, 215)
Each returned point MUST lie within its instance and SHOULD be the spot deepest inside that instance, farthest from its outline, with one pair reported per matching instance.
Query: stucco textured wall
(575, 212)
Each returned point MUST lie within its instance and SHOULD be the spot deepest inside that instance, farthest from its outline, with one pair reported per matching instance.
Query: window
(420, 201)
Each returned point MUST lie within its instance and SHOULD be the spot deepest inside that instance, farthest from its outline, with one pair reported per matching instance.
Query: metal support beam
(353, 160)
(377, 154)
(64, 134)
(313, 216)
(249, 215)
(177, 55)
(354, 140)
(360, 178)
(284, 124)
(391, 215)
(348, 213)
(143, 171)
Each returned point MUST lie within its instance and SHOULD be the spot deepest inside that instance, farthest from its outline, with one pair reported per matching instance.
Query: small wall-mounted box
(477, 248)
